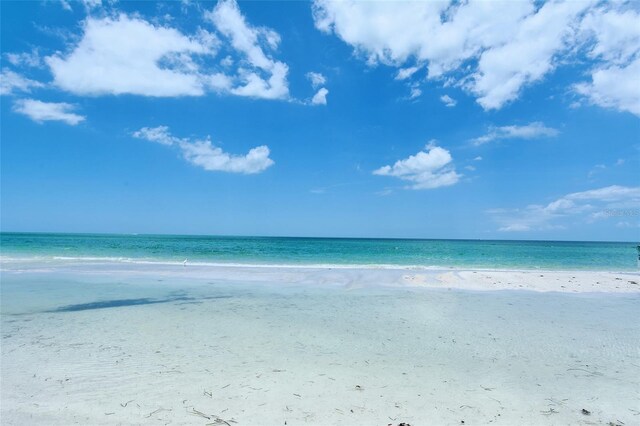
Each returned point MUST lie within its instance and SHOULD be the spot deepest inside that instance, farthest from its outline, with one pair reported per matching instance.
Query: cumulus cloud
(428, 169)
(11, 82)
(202, 152)
(530, 131)
(448, 101)
(122, 55)
(320, 98)
(585, 206)
(125, 54)
(40, 111)
(493, 50)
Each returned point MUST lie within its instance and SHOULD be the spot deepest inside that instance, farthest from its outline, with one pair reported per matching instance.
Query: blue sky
(510, 120)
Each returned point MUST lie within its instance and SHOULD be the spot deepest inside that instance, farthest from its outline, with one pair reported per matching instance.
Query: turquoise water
(325, 251)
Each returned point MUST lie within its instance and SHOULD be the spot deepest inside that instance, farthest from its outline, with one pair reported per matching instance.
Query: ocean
(559, 255)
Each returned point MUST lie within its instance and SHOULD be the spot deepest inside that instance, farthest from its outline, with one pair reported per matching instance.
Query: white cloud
(405, 73)
(316, 79)
(448, 100)
(585, 206)
(478, 158)
(204, 154)
(158, 134)
(40, 111)
(491, 49)
(616, 41)
(126, 54)
(614, 87)
(414, 93)
(65, 5)
(91, 4)
(529, 54)
(530, 131)
(320, 98)
(427, 169)
(252, 42)
(122, 55)
(11, 82)
(28, 59)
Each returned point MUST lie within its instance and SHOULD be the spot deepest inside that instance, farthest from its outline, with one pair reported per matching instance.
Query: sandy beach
(96, 343)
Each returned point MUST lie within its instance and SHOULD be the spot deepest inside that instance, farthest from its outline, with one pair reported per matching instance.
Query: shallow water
(76, 346)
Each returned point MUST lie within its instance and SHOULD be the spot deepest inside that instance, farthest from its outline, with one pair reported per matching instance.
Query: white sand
(281, 350)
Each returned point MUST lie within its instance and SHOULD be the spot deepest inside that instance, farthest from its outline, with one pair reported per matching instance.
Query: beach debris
(586, 412)
(360, 388)
(157, 411)
(404, 424)
(633, 282)
(123, 405)
(209, 394)
(217, 420)
(549, 412)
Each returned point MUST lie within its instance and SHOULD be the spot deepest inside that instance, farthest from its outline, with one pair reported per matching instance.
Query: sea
(506, 254)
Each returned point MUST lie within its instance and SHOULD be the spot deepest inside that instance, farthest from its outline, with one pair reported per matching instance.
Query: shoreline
(349, 276)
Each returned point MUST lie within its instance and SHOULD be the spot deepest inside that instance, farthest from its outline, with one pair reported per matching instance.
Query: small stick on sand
(157, 411)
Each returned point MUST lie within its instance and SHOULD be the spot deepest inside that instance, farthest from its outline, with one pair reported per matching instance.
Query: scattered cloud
(586, 206)
(11, 82)
(415, 92)
(40, 111)
(530, 131)
(28, 59)
(428, 169)
(91, 4)
(478, 158)
(202, 152)
(320, 98)
(620, 162)
(65, 5)
(405, 73)
(448, 101)
(265, 77)
(596, 169)
(494, 50)
(316, 79)
(158, 134)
